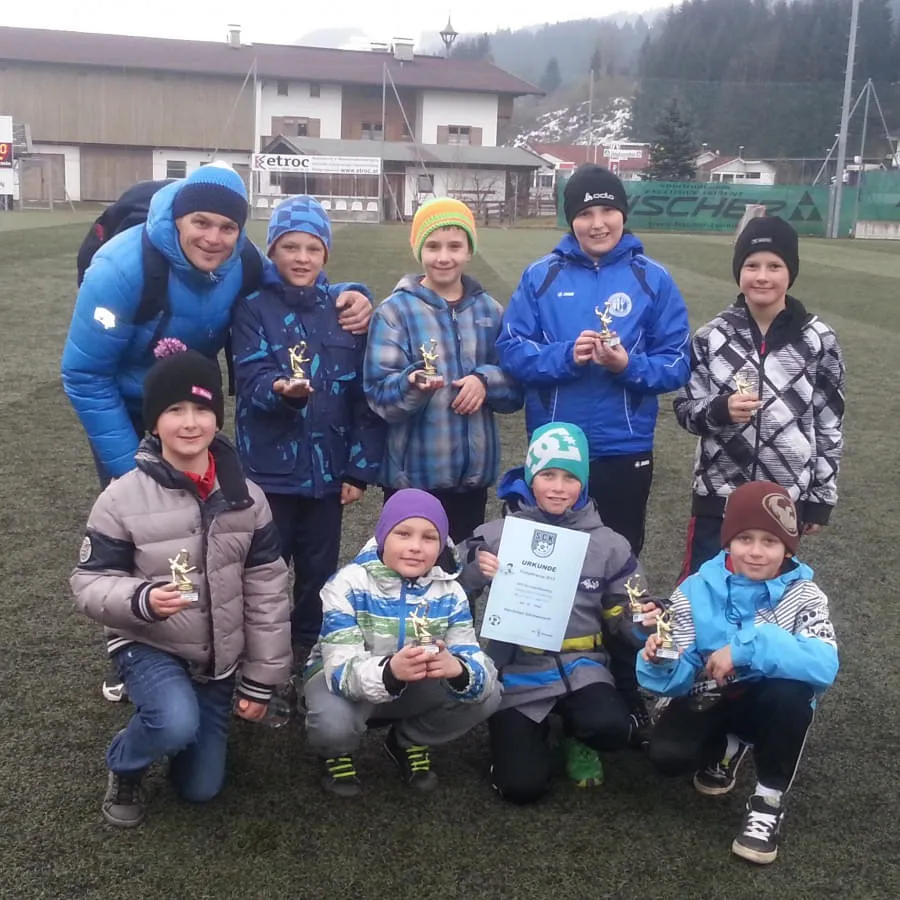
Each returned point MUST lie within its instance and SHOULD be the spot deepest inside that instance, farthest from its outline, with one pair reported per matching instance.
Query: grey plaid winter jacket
(795, 439)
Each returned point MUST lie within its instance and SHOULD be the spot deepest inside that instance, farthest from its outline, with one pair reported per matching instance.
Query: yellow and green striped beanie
(441, 212)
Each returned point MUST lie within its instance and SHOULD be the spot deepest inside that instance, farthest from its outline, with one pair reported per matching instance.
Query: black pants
(310, 531)
(620, 486)
(521, 756)
(703, 543)
(465, 510)
(773, 714)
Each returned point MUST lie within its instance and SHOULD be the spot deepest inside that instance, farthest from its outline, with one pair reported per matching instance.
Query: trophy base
(191, 596)
(667, 653)
(423, 378)
(430, 649)
(298, 382)
(612, 341)
(638, 618)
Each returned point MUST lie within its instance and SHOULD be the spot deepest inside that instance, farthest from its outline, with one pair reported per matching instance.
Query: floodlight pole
(383, 133)
(835, 224)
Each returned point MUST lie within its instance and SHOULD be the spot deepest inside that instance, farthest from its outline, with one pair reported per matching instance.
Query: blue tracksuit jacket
(555, 302)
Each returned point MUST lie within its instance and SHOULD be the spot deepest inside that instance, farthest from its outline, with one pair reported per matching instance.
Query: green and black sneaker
(340, 776)
(414, 762)
(583, 764)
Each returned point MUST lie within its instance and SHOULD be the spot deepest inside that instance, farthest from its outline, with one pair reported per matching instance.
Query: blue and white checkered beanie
(215, 188)
(304, 214)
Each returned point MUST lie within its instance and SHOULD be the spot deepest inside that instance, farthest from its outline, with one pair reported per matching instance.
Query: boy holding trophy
(754, 649)
(303, 428)
(181, 564)
(766, 394)
(397, 644)
(575, 682)
(432, 374)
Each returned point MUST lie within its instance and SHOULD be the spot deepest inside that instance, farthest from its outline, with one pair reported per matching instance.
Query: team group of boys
(390, 636)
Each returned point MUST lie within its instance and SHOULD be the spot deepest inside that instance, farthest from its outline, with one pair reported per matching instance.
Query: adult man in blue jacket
(197, 224)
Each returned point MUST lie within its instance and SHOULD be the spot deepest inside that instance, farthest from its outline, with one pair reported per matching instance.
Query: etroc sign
(296, 164)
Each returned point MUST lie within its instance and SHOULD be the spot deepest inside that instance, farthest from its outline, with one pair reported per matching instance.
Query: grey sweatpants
(427, 712)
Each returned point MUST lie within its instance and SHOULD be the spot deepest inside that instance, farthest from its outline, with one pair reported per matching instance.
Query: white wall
(459, 108)
(326, 107)
(72, 164)
(447, 182)
(193, 158)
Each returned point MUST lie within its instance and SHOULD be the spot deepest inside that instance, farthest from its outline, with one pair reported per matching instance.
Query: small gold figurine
(664, 623)
(429, 358)
(422, 635)
(610, 338)
(295, 354)
(637, 597)
(179, 567)
(743, 384)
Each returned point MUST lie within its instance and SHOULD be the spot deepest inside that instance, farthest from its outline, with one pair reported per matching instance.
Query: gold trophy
(744, 383)
(179, 567)
(666, 649)
(610, 338)
(297, 359)
(429, 372)
(422, 636)
(637, 597)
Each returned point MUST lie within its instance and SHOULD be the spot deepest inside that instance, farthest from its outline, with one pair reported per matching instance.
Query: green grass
(272, 833)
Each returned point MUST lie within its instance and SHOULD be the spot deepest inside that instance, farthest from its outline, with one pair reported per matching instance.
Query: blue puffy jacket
(305, 447)
(106, 356)
(555, 302)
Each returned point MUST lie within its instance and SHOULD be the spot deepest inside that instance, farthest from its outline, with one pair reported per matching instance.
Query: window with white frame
(458, 134)
(372, 131)
(282, 88)
(315, 89)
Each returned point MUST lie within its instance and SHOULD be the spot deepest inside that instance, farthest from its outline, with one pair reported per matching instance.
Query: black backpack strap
(154, 303)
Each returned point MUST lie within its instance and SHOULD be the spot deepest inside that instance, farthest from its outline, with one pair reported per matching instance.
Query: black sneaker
(413, 762)
(340, 776)
(719, 778)
(113, 689)
(124, 804)
(757, 841)
(639, 737)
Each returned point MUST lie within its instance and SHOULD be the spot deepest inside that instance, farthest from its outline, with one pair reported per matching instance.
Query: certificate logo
(543, 543)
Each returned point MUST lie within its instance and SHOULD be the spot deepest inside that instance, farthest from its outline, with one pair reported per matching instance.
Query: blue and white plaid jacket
(428, 445)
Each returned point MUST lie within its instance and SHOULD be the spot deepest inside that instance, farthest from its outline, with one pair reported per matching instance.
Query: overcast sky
(284, 21)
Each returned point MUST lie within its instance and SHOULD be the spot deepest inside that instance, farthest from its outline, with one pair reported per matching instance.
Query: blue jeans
(175, 716)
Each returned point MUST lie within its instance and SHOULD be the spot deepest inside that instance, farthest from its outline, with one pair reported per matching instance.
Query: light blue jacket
(106, 355)
(776, 629)
(555, 302)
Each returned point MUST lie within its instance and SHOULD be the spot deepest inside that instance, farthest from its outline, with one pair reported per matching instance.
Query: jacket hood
(786, 327)
(412, 284)
(721, 582)
(446, 569)
(569, 248)
(163, 235)
(515, 492)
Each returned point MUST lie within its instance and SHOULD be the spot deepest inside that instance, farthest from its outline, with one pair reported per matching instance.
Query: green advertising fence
(703, 206)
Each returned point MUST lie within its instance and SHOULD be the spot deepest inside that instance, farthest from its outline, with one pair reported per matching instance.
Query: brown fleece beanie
(763, 505)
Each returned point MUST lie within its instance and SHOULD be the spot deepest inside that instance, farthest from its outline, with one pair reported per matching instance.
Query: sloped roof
(41, 45)
(581, 153)
(407, 152)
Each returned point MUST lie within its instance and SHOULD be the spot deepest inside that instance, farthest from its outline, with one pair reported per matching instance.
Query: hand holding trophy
(428, 378)
(610, 338)
(666, 645)
(421, 627)
(179, 567)
(637, 597)
(297, 359)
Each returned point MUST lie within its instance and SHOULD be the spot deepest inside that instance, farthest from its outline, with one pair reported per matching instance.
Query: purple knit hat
(411, 503)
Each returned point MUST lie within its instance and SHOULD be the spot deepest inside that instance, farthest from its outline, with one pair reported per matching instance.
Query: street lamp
(448, 36)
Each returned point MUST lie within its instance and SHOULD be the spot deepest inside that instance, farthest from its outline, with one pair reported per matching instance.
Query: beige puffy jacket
(142, 521)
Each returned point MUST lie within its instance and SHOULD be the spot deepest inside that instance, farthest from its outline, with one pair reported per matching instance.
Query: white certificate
(532, 594)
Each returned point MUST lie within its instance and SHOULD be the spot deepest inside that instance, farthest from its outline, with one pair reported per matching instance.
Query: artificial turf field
(273, 833)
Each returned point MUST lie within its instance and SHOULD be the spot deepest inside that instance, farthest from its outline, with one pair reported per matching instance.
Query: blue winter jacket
(106, 356)
(555, 302)
(305, 447)
(776, 629)
(429, 446)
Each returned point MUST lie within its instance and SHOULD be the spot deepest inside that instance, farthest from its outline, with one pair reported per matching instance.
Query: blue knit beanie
(304, 214)
(215, 188)
(558, 445)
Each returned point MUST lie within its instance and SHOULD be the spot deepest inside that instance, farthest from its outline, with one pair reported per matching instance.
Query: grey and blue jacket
(533, 680)
(429, 446)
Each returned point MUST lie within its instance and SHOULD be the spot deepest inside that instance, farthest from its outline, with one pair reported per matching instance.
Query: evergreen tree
(596, 61)
(673, 149)
(475, 48)
(551, 79)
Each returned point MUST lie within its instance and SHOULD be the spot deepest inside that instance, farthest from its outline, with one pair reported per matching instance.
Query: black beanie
(178, 375)
(768, 234)
(215, 188)
(592, 185)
